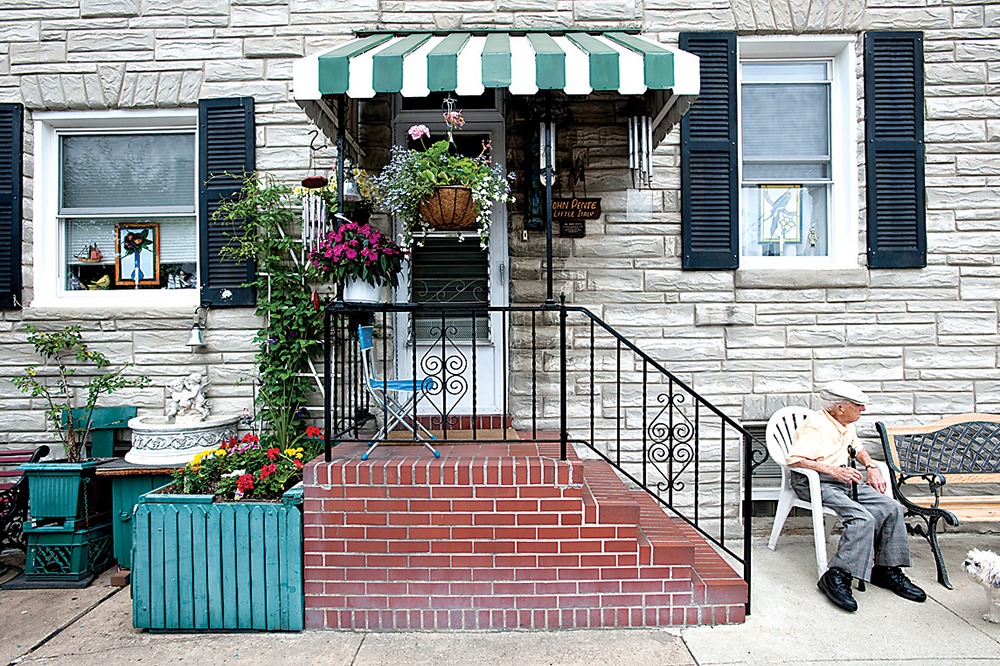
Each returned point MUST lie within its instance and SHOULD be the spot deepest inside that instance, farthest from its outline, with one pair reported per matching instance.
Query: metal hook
(312, 141)
(448, 104)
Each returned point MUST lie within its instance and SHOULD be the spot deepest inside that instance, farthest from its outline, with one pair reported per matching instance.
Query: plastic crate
(59, 554)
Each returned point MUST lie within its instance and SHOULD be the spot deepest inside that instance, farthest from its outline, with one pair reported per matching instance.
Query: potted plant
(69, 538)
(437, 188)
(56, 487)
(228, 530)
(362, 257)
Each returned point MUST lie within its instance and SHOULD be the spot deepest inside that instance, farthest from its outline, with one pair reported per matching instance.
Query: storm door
(462, 351)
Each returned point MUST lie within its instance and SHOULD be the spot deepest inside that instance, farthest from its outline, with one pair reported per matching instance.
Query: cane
(854, 496)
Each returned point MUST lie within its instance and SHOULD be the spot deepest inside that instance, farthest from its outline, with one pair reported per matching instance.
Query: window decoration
(137, 254)
(780, 213)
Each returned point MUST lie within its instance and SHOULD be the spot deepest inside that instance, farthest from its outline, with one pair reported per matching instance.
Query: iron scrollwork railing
(552, 369)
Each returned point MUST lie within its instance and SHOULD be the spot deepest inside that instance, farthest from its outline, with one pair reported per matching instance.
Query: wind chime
(640, 149)
(314, 224)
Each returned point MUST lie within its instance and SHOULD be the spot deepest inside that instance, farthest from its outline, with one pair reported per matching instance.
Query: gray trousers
(874, 531)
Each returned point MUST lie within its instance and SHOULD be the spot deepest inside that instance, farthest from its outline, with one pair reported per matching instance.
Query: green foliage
(356, 251)
(53, 382)
(266, 226)
(412, 175)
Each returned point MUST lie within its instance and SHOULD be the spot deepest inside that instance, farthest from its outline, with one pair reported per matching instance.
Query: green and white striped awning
(415, 65)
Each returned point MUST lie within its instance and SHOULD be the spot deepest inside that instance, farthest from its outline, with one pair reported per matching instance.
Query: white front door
(464, 353)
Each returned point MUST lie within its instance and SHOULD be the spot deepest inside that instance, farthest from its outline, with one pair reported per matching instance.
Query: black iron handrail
(662, 435)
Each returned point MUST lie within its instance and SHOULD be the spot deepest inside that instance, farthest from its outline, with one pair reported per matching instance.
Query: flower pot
(359, 291)
(450, 208)
(201, 564)
(63, 492)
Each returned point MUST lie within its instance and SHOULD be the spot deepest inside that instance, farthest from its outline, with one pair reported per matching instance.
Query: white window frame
(47, 241)
(843, 210)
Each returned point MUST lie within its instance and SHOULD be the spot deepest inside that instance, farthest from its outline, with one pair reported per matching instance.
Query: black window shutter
(226, 143)
(709, 174)
(894, 149)
(11, 161)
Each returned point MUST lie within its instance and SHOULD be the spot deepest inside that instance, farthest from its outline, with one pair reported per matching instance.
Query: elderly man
(873, 545)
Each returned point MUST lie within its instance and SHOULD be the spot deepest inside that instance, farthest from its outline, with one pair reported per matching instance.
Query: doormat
(405, 437)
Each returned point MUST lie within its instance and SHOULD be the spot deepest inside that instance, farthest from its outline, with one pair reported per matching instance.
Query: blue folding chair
(397, 398)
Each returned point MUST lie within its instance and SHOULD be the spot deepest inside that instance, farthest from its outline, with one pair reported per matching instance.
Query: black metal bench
(962, 449)
(14, 495)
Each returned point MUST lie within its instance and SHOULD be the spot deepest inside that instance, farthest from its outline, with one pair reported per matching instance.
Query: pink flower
(454, 118)
(418, 131)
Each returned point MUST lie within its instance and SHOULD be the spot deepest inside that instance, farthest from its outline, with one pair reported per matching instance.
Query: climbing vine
(266, 223)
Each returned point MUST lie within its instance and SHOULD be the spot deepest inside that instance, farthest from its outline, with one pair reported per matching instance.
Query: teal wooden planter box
(203, 565)
(125, 493)
(62, 490)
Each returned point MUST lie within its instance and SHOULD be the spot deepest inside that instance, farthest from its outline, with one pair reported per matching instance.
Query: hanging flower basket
(449, 208)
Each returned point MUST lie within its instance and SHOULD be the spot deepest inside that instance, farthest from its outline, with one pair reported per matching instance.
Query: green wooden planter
(61, 491)
(125, 493)
(203, 565)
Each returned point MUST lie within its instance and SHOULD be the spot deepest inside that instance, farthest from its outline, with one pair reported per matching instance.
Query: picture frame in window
(780, 213)
(137, 254)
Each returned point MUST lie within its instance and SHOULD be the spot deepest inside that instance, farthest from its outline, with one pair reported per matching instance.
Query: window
(116, 208)
(797, 197)
(453, 271)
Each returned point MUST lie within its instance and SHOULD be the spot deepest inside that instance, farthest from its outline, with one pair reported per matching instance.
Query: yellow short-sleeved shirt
(823, 439)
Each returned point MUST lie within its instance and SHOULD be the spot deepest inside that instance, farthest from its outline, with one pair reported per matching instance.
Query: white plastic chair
(781, 429)
(397, 398)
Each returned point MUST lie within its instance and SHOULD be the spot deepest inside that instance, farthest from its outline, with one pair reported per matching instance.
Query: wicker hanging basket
(450, 208)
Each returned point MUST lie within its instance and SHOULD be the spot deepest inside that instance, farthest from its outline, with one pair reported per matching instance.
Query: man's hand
(875, 479)
(845, 474)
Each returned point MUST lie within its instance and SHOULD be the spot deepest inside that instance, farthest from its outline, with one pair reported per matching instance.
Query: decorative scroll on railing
(549, 372)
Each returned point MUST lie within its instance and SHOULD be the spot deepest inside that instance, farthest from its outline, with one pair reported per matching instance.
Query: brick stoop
(497, 536)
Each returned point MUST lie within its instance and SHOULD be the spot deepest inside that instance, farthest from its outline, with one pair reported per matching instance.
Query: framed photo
(780, 213)
(137, 254)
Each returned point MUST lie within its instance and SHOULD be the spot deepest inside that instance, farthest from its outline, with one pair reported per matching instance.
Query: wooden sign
(577, 209)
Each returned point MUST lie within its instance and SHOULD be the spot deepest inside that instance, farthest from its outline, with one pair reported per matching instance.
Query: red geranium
(245, 483)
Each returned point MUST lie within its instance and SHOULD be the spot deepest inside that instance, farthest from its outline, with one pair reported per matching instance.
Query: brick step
(715, 582)
(489, 536)
(607, 500)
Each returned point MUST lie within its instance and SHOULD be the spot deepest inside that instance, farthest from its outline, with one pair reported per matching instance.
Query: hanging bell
(195, 340)
(351, 191)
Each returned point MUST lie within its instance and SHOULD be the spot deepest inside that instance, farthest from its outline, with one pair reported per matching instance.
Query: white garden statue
(185, 430)
(187, 403)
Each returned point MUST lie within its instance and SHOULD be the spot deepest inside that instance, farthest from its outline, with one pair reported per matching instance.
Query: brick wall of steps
(499, 536)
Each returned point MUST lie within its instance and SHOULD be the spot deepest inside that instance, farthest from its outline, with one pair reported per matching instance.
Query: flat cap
(838, 390)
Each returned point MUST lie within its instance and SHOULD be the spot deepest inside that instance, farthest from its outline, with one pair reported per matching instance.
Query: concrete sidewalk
(791, 623)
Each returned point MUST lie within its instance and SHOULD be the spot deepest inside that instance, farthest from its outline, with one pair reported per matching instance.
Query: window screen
(786, 147)
(127, 210)
(447, 270)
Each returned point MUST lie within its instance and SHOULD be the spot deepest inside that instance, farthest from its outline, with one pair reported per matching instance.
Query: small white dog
(983, 566)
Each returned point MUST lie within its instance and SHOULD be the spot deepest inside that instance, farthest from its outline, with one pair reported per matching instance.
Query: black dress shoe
(836, 585)
(894, 580)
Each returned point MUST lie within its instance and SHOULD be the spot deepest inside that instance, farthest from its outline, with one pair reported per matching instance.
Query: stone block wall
(924, 342)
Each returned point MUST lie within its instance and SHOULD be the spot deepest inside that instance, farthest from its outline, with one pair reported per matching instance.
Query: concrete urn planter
(157, 440)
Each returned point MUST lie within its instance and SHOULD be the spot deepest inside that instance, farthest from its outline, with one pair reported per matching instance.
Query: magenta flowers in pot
(359, 252)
